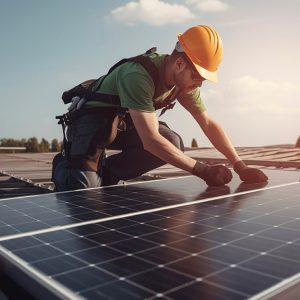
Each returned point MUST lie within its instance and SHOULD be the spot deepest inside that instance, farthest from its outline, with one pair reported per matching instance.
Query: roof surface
(30, 173)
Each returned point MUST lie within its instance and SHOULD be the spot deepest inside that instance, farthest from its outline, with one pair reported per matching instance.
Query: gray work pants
(131, 162)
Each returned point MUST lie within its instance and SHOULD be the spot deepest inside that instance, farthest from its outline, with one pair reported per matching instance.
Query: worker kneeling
(117, 111)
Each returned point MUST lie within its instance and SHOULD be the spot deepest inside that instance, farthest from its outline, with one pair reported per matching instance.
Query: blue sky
(49, 46)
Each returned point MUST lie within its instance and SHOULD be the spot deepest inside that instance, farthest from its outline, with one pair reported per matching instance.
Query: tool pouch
(88, 136)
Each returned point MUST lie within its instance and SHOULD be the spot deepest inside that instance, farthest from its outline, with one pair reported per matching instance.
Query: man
(128, 97)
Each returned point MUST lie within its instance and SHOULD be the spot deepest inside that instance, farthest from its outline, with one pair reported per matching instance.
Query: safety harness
(85, 91)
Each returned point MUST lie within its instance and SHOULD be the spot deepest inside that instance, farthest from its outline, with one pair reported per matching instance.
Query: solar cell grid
(43, 212)
(229, 248)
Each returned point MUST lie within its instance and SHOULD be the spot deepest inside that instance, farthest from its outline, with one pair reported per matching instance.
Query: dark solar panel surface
(41, 212)
(230, 248)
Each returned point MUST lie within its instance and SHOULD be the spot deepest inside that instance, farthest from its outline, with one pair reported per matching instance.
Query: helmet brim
(209, 75)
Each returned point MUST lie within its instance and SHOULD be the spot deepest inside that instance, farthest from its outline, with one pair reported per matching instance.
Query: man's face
(186, 77)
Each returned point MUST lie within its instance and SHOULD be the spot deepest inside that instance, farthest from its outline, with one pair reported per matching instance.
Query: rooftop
(30, 173)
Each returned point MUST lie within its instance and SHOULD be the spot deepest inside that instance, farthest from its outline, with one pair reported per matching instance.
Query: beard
(182, 83)
(180, 80)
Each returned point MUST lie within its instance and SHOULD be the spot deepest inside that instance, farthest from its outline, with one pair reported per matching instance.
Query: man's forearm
(215, 175)
(147, 127)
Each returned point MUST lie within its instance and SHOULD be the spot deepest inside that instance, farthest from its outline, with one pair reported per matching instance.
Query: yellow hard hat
(203, 46)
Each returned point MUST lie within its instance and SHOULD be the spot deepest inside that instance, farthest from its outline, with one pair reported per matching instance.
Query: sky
(48, 47)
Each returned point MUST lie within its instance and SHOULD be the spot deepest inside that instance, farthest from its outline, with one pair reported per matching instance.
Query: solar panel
(176, 239)
(38, 213)
(44, 211)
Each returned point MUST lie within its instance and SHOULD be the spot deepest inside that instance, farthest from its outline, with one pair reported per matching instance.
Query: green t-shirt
(136, 90)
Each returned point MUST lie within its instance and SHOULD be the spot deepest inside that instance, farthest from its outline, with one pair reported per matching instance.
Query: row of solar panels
(30, 173)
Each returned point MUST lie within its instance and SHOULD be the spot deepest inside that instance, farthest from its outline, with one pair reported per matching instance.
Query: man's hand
(216, 175)
(249, 175)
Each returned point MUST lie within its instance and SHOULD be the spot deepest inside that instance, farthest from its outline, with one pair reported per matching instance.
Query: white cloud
(208, 5)
(255, 112)
(250, 94)
(152, 12)
(267, 96)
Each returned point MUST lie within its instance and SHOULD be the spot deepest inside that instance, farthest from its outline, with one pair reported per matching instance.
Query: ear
(180, 64)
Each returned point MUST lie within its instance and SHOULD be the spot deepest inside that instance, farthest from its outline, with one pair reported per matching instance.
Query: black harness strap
(168, 102)
(89, 95)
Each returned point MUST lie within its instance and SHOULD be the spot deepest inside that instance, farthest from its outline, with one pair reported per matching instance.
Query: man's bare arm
(220, 140)
(147, 127)
(146, 124)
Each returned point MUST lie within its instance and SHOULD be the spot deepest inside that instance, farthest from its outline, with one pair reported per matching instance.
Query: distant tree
(44, 146)
(22, 142)
(12, 143)
(32, 145)
(3, 142)
(194, 143)
(298, 143)
(55, 145)
(9, 143)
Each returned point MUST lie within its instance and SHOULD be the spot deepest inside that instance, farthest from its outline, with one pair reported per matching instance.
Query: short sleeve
(135, 88)
(192, 101)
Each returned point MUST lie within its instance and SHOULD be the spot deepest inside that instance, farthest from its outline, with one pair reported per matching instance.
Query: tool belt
(87, 133)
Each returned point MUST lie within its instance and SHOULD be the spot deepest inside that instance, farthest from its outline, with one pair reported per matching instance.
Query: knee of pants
(66, 179)
(174, 138)
(79, 179)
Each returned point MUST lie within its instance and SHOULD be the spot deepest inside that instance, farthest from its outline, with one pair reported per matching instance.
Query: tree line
(32, 144)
